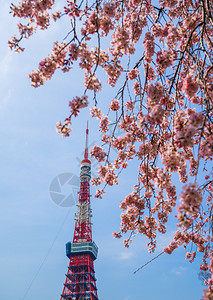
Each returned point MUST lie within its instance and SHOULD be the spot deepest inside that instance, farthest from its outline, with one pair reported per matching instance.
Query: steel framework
(80, 282)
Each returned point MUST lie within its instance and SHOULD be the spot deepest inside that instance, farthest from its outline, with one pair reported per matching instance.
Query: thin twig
(148, 262)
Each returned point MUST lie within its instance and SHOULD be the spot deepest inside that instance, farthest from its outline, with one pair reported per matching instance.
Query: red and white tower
(80, 283)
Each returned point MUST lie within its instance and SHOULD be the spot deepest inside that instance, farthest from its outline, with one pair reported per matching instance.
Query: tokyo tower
(80, 282)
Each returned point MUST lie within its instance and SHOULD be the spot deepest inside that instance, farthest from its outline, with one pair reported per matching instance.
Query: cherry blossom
(104, 124)
(132, 74)
(190, 86)
(98, 153)
(77, 103)
(114, 105)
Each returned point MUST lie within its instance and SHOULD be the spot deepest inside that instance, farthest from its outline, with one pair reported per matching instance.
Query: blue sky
(32, 154)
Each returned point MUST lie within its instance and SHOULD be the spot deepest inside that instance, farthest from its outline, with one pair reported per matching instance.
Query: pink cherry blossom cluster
(98, 153)
(110, 177)
(113, 70)
(184, 239)
(91, 82)
(130, 105)
(72, 9)
(48, 65)
(186, 128)
(208, 293)
(106, 175)
(154, 94)
(173, 160)
(25, 30)
(168, 3)
(13, 43)
(73, 52)
(65, 129)
(96, 112)
(120, 42)
(56, 15)
(149, 72)
(149, 46)
(165, 59)
(77, 103)
(190, 86)
(135, 22)
(133, 74)
(104, 124)
(171, 247)
(191, 199)
(36, 12)
(206, 148)
(114, 105)
(137, 88)
(107, 14)
(155, 115)
(29, 8)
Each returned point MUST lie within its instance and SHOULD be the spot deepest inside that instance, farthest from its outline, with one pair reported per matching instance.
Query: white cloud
(179, 270)
(126, 255)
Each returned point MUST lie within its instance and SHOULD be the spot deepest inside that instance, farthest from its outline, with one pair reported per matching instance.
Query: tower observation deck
(80, 282)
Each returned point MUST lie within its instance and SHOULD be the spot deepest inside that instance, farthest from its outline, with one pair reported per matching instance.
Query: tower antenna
(86, 146)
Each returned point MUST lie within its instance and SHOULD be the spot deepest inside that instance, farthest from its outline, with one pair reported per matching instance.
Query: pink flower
(43, 20)
(96, 112)
(169, 3)
(77, 103)
(109, 9)
(191, 199)
(137, 88)
(114, 105)
(204, 267)
(120, 41)
(129, 105)
(64, 130)
(156, 115)
(91, 82)
(190, 86)
(73, 51)
(48, 65)
(186, 128)
(116, 235)
(102, 170)
(171, 247)
(133, 74)
(98, 153)
(56, 15)
(149, 72)
(188, 255)
(208, 294)
(165, 59)
(113, 70)
(149, 46)
(154, 94)
(99, 193)
(110, 177)
(104, 124)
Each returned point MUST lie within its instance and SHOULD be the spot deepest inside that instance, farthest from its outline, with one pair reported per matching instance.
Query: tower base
(80, 283)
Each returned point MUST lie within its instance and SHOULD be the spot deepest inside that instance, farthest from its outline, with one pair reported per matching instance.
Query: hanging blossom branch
(157, 55)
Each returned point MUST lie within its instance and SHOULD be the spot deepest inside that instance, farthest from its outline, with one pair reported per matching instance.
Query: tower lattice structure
(80, 282)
